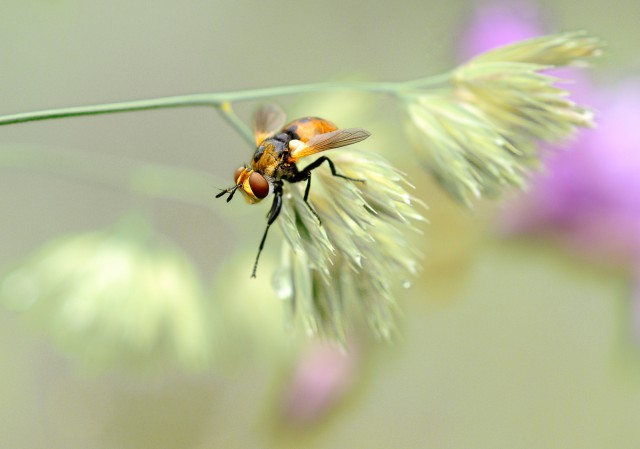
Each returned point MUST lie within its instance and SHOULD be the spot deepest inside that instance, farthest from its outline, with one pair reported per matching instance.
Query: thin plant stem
(430, 82)
(109, 108)
(227, 112)
(153, 180)
(216, 100)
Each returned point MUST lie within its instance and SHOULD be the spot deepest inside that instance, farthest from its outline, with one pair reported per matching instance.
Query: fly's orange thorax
(268, 156)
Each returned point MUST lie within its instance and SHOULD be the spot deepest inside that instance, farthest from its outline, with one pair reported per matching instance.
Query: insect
(278, 149)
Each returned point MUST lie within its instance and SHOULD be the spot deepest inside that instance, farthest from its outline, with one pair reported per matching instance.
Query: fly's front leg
(276, 207)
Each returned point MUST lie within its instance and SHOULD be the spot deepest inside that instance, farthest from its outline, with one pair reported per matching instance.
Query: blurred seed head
(333, 273)
(479, 134)
(114, 298)
(554, 50)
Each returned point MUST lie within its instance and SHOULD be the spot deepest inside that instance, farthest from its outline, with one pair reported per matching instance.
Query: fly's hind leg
(305, 175)
(318, 162)
(306, 198)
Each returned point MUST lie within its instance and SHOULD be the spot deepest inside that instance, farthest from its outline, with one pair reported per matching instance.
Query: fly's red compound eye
(259, 185)
(237, 174)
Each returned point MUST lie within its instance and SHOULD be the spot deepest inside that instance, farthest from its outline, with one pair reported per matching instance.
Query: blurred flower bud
(114, 298)
(323, 375)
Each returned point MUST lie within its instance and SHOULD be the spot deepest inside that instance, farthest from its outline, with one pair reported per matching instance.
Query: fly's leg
(305, 175)
(306, 172)
(306, 196)
(276, 207)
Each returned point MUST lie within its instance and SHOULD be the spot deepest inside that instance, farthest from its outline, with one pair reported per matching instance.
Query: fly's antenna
(231, 191)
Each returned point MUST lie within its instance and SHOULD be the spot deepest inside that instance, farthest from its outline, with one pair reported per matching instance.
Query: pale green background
(507, 344)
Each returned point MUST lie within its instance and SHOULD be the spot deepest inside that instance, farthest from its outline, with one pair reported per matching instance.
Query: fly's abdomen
(305, 128)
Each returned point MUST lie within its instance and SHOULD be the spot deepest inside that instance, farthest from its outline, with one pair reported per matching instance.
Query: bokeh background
(508, 339)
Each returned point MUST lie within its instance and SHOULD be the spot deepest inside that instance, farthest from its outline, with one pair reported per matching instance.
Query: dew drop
(283, 286)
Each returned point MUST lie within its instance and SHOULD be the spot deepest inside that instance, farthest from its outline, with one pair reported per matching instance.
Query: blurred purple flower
(498, 24)
(589, 195)
(323, 375)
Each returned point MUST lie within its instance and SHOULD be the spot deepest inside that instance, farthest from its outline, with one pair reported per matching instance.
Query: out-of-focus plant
(480, 135)
(477, 129)
(122, 297)
(588, 197)
(323, 374)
